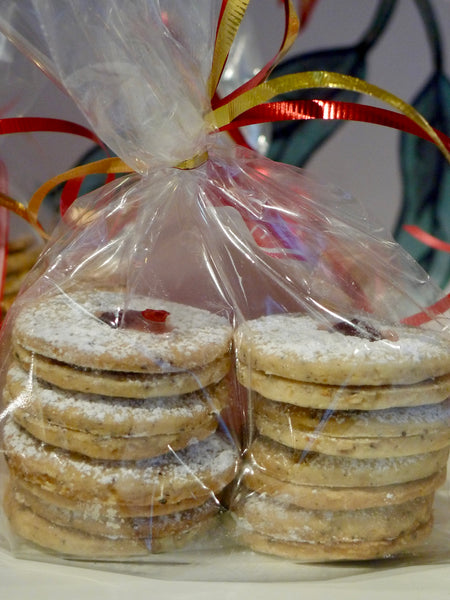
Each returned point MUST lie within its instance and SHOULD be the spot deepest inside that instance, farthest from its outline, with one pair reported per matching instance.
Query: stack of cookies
(115, 443)
(350, 438)
(23, 251)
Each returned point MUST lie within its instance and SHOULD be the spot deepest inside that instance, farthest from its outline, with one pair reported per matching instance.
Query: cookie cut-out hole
(358, 328)
(153, 321)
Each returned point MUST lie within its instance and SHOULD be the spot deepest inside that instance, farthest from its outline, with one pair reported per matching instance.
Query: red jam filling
(152, 321)
(358, 328)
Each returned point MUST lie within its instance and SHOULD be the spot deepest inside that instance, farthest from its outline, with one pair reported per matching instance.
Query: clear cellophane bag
(216, 367)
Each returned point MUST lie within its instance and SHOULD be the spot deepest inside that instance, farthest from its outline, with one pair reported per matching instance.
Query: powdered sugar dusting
(212, 456)
(274, 456)
(275, 343)
(301, 336)
(349, 466)
(101, 410)
(424, 415)
(68, 328)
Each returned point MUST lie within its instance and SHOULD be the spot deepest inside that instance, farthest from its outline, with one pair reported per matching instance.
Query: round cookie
(113, 448)
(109, 428)
(305, 551)
(301, 348)
(206, 466)
(106, 415)
(309, 468)
(326, 397)
(279, 520)
(373, 434)
(68, 541)
(95, 508)
(397, 422)
(121, 384)
(103, 524)
(340, 498)
(87, 330)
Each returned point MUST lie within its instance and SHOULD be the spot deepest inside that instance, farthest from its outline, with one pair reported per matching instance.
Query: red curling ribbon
(46, 124)
(297, 110)
(436, 309)
(69, 193)
(238, 137)
(40, 124)
(427, 238)
(441, 305)
(4, 228)
(305, 8)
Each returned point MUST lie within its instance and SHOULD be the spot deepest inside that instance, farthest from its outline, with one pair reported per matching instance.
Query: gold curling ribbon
(231, 19)
(194, 162)
(99, 167)
(107, 165)
(22, 211)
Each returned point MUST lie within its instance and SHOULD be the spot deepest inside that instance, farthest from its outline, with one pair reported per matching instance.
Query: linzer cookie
(341, 354)
(347, 416)
(124, 384)
(318, 469)
(269, 525)
(115, 405)
(200, 470)
(362, 434)
(345, 397)
(109, 331)
(76, 537)
(112, 428)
